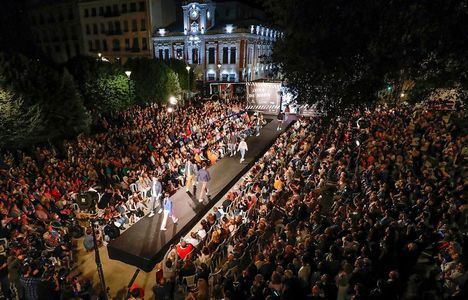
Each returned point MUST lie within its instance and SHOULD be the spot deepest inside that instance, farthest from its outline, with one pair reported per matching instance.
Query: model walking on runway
(168, 211)
(203, 177)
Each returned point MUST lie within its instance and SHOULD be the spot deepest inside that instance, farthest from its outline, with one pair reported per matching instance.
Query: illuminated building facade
(222, 40)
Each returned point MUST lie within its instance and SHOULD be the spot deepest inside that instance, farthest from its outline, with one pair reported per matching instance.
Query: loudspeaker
(84, 201)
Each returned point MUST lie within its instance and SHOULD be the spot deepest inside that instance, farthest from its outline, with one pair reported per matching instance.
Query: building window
(160, 54)
(103, 28)
(97, 44)
(90, 46)
(166, 54)
(110, 27)
(86, 13)
(101, 11)
(70, 14)
(143, 25)
(77, 49)
(93, 12)
(211, 55)
(115, 9)
(132, 7)
(225, 55)
(195, 55)
(124, 8)
(232, 77)
(125, 24)
(116, 45)
(142, 6)
(95, 29)
(104, 45)
(211, 77)
(108, 11)
(88, 30)
(136, 46)
(233, 55)
(117, 27)
(144, 43)
(134, 25)
(127, 44)
(225, 77)
(179, 53)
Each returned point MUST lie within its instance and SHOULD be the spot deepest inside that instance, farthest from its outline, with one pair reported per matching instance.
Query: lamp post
(128, 73)
(170, 110)
(173, 100)
(99, 55)
(188, 80)
(219, 72)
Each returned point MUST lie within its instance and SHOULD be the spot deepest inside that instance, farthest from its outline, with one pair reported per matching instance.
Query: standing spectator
(243, 149)
(4, 276)
(168, 211)
(280, 118)
(30, 282)
(204, 178)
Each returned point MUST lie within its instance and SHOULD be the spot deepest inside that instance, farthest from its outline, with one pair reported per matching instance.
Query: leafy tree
(346, 51)
(179, 66)
(111, 92)
(172, 84)
(46, 95)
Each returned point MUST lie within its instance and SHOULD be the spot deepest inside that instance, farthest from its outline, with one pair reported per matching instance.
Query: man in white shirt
(243, 149)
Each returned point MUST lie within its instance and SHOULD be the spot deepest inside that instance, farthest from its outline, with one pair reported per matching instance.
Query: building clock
(194, 14)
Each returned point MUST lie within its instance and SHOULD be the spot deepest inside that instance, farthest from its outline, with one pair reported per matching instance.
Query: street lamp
(128, 73)
(172, 100)
(99, 55)
(170, 109)
(188, 79)
(219, 72)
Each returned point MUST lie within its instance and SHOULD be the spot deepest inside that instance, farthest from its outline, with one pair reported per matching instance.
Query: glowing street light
(173, 100)
(170, 109)
(402, 95)
(358, 143)
(128, 73)
(99, 55)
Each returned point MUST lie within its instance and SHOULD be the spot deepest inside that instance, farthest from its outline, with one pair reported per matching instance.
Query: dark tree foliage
(104, 86)
(346, 51)
(179, 66)
(45, 95)
(154, 80)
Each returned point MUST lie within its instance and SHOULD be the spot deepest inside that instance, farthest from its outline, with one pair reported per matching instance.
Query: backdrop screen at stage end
(263, 93)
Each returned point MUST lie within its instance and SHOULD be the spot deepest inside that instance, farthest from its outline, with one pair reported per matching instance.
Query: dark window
(124, 8)
(211, 77)
(70, 14)
(144, 44)
(125, 25)
(134, 25)
(225, 77)
(232, 77)
(110, 27)
(104, 45)
(88, 30)
(136, 46)
(86, 13)
(117, 27)
(225, 55)
(108, 10)
(142, 6)
(166, 53)
(95, 29)
(93, 12)
(115, 9)
(211, 55)
(103, 28)
(195, 56)
(160, 53)
(233, 55)
(143, 25)
(90, 46)
(133, 7)
(127, 44)
(101, 11)
(77, 49)
(97, 44)
(116, 45)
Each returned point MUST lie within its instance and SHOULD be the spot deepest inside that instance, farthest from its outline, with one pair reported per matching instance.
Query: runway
(143, 244)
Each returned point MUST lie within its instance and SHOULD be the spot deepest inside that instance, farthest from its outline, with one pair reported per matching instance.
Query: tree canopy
(38, 103)
(346, 51)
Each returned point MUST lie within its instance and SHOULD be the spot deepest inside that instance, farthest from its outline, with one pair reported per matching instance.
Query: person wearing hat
(168, 211)
(243, 149)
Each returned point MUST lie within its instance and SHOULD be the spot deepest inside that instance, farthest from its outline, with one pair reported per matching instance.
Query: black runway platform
(143, 244)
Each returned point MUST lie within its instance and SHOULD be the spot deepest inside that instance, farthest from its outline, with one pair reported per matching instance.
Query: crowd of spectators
(368, 204)
(38, 187)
